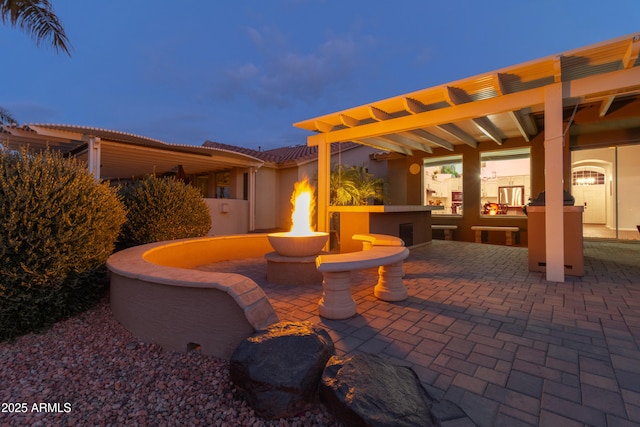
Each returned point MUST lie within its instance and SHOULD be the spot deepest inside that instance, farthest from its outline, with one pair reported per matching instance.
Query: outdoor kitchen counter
(573, 239)
(411, 223)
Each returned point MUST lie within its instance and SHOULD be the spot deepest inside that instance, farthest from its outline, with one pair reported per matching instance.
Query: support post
(324, 172)
(553, 182)
(94, 156)
(252, 199)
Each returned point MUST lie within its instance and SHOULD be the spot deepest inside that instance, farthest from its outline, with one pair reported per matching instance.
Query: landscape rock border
(291, 367)
(278, 369)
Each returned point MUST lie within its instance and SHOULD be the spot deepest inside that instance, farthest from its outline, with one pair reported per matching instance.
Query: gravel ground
(89, 370)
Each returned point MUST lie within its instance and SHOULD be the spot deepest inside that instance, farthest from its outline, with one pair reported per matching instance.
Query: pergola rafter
(628, 61)
(455, 96)
(416, 107)
(516, 116)
(378, 143)
(419, 136)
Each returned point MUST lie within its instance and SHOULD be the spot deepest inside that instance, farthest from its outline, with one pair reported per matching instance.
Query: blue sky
(242, 72)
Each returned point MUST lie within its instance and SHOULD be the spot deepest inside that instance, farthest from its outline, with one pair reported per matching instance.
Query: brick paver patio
(509, 347)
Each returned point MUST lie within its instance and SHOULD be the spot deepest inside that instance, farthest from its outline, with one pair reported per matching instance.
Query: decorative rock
(368, 391)
(278, 370)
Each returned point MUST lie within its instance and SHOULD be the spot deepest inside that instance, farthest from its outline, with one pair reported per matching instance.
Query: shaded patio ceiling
(124, 155)
(495, 106)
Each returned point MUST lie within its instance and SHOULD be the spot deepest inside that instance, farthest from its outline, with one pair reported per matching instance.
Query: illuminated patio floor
(506, 345)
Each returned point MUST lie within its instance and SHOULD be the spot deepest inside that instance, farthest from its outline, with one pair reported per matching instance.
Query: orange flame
(303, 207)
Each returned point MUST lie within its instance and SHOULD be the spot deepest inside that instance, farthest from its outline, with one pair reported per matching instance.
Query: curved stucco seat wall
(158, 296)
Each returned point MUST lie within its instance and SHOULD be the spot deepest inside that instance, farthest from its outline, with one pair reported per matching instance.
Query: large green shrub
(58, 226)
(163, 209)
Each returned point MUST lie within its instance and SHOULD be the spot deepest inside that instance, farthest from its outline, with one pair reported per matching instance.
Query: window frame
(515, 187)
(450, 205)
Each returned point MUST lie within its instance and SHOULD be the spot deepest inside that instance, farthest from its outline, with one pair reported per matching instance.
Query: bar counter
(411, 223)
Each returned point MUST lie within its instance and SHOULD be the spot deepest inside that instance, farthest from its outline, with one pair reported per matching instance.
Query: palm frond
(353, 185)
(36, 18)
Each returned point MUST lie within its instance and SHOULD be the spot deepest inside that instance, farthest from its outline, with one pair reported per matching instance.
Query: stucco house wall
(228, 216)
(266, 192)
(287, 178)
(275, 179)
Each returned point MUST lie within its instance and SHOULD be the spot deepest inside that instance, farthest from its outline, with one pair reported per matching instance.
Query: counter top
(565, 208)
(385, 208)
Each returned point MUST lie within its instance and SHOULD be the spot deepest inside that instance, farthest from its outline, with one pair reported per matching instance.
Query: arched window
(587, 177)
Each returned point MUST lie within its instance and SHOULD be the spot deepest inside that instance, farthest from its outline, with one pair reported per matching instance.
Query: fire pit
(293, 261)
(293, 245)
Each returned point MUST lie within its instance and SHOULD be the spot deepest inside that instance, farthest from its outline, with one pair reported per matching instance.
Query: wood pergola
(521, 101)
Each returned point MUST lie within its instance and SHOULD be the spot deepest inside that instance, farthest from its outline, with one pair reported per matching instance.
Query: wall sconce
(224, 207)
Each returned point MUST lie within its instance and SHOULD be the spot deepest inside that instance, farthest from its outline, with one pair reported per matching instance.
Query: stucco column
(324, 172)
(553, 183)
(252, 198)
(94, 156)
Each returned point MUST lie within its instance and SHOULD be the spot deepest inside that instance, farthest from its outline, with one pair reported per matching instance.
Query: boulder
(278, 370)
(367, 390)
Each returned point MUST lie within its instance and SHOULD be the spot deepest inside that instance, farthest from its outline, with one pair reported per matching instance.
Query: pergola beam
(418, 134)
(629, 59)
(378, 143)
(594, 86)
(440, 116)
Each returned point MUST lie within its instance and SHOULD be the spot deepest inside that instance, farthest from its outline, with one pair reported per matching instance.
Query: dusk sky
(242, 72)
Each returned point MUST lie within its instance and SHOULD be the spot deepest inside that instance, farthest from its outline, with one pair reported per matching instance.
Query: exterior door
(594, 199)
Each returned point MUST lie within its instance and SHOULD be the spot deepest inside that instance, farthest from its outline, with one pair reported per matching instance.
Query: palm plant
(36, 17)
(353, 185)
